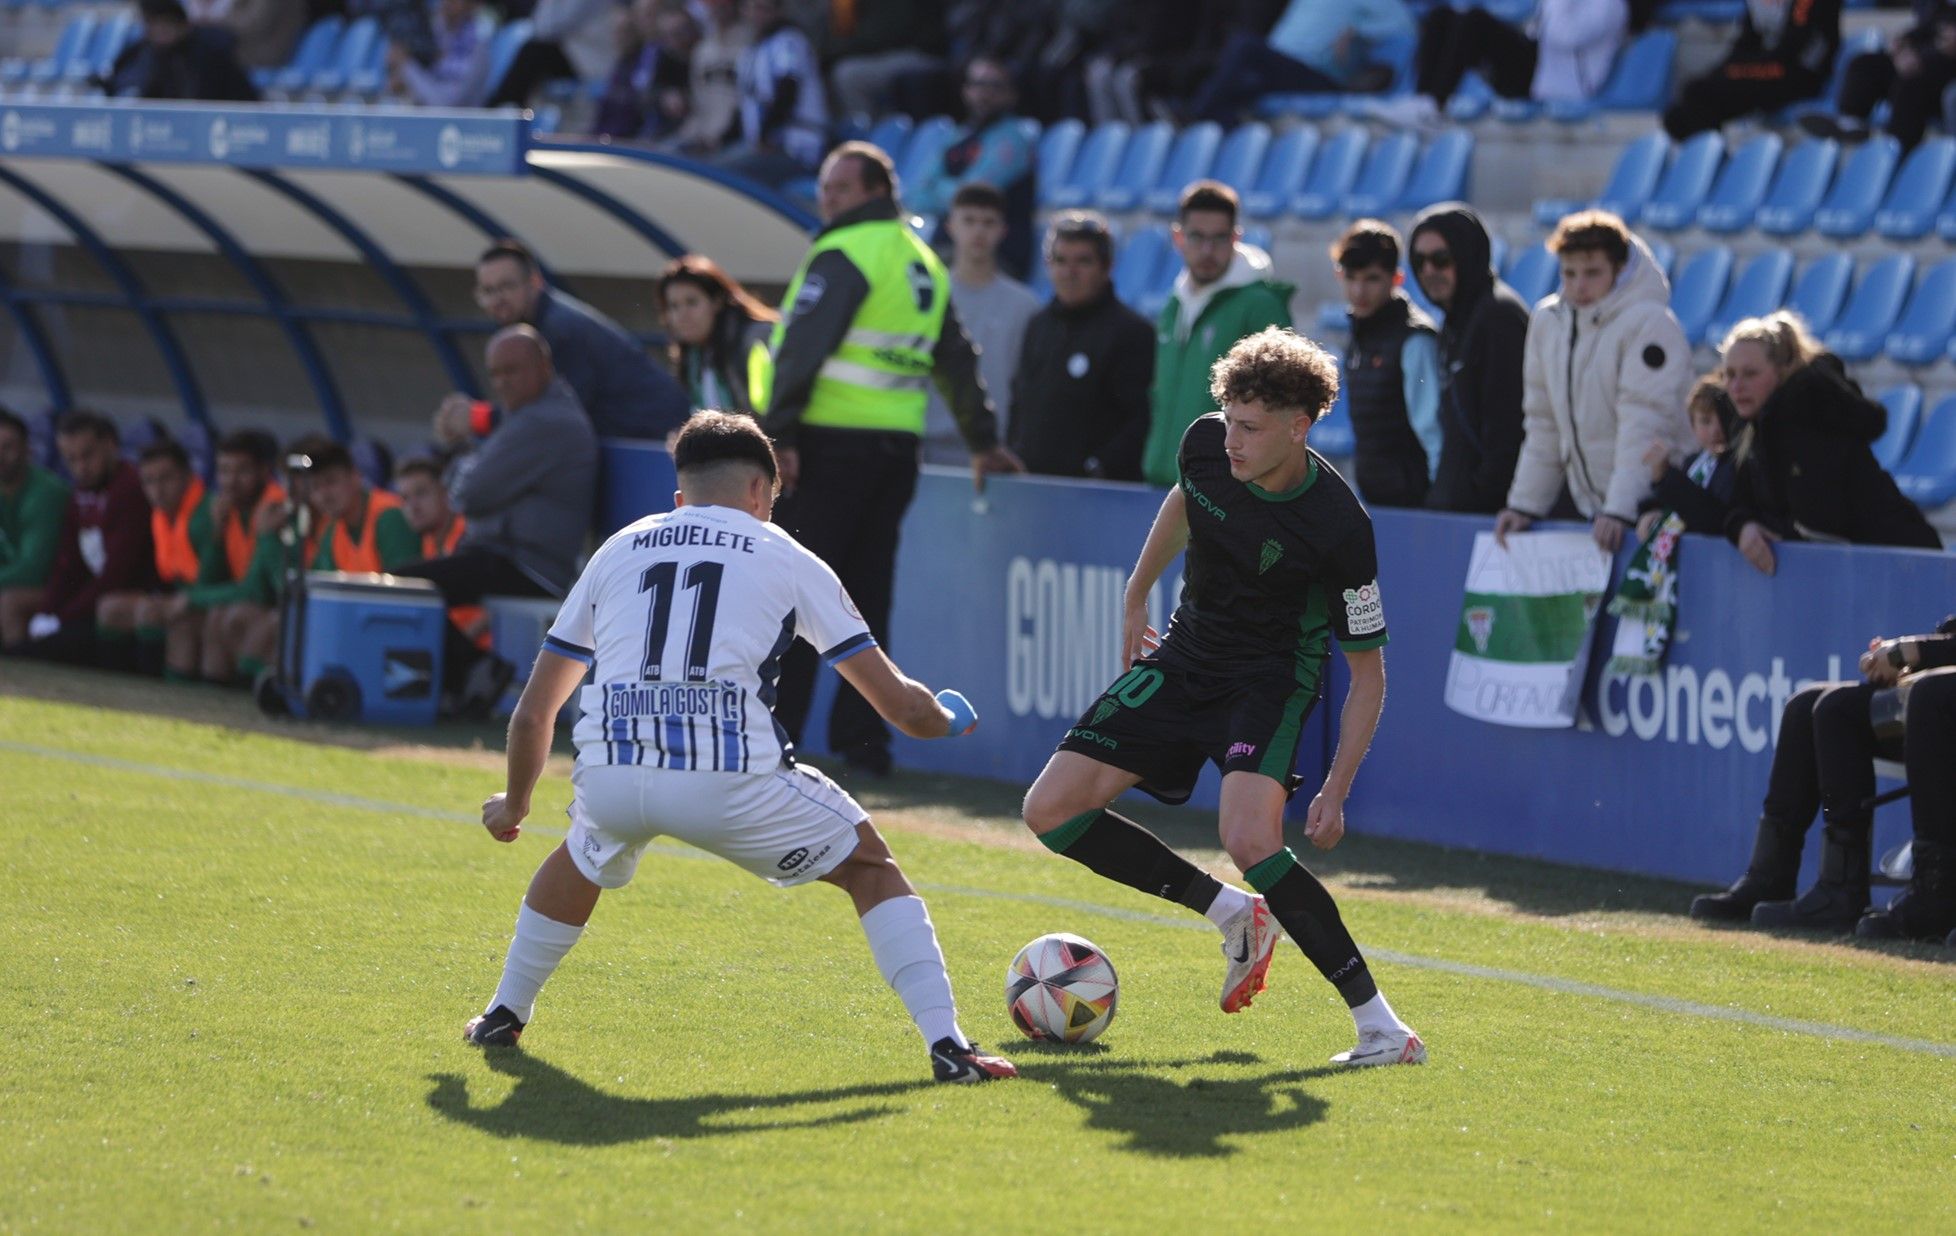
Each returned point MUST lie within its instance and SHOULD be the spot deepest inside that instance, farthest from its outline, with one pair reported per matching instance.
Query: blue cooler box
(372, 648)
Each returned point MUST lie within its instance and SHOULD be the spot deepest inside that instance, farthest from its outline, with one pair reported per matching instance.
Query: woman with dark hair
(1805, 464)
(719, 334)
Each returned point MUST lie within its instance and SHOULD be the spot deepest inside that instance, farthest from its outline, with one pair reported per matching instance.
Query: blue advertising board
(272, 136)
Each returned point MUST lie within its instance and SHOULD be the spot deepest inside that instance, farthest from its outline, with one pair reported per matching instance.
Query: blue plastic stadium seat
(1299, 106)
(503, 48)
(1533, 273)
(315, 50)
(1093, 167)
(1741, 185)
(1718, 12)
(1441, 173)
(1927, 474)
(1137, 264)
(549, 118)
(1139, 168)
(1850, 205)
(1237, 161)
(1663, 251)
(1383, 177)
(1674, 204)
(1332, 175)
(1058, 147)
(353, 54)
(1332, 435)
(69, 46)
(1863, 326)
(111, 37)
(1758, 289)
(1631, 182)
(1162, 284)
(1471, 98)
(1820, 291)
(926, 148)
(1040, 281)
(1699, 287)
(1281, 174)
(1866, 39)
(1640, 80)
(1922, 333)
(891, 135)
(1909, 210)
(1193, 157)
(1797, 188)
(1904, 404)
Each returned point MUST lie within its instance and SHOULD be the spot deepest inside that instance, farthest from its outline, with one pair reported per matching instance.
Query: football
(1061, 988)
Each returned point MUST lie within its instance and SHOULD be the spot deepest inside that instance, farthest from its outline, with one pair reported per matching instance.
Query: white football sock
(904, 944)
(1230, 902)
(534, 954)
(1376, 1014)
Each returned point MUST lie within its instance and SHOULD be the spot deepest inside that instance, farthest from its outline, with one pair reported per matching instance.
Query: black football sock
(1310, 917)
(1116, 847)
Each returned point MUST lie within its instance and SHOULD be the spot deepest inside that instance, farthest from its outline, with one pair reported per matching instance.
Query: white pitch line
(1568, 987)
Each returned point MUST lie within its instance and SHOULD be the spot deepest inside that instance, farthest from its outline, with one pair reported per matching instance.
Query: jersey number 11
(703, 578)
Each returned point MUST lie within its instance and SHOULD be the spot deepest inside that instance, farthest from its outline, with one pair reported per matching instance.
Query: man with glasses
(1224, 294)
(993, 148)
(1482, 342)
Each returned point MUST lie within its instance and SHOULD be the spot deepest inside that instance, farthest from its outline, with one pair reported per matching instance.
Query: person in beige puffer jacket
(1606, 372)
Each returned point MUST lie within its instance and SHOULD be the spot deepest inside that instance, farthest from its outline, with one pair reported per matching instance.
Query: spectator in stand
(1392, 371)
(104, 545)
(1606, 373)
(526, 491)
(1163, 52)
(459, 74)
(1783, 53)
(783, 121)
(403, 23)
(176, 60)
(993, 149)
(1012, 33)
(1317, 47)
(625, 394)
(871, 43)
(713, 90)
(645, 97)
(1482, 344)
(1823, 761)
(1911, 75)
(1805, 467)
(569, 38)
(32, 501)
(1080, 396)
(994, 308)
(365, 528)
(1700, 491)
(266, 30)
(424, 500)
(1224, 293)
(719, 335)
(129, 625)
(1564, 55)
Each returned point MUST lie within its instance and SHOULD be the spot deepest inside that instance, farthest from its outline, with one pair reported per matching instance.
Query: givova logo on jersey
(1364, 611)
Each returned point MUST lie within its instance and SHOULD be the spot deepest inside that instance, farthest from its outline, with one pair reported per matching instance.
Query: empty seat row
(86, 48)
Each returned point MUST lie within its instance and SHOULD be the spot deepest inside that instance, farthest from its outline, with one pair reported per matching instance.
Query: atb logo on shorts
(793, 858)
(1271, 552)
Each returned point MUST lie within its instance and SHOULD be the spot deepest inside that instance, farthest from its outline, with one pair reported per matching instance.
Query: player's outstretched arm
(904, 702)
(531, 727)
(1357, 722)
(1167, 539)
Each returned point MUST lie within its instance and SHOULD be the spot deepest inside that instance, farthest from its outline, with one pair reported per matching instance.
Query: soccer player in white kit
(685, 618)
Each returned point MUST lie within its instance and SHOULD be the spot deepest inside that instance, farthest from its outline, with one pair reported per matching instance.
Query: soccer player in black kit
(1280, 563)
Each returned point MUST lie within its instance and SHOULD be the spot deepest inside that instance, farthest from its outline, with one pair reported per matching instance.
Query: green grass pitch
(237, 965)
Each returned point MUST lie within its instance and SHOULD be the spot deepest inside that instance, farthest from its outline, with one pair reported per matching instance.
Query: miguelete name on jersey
(693, 534)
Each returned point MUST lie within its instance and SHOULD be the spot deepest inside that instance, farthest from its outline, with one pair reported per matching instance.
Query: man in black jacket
(1080, 395)
(1481, 349)
(176, 60)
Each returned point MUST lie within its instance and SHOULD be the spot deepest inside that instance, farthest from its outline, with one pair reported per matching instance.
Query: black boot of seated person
(1926, 909)
(1771, 875)
(1837, 899)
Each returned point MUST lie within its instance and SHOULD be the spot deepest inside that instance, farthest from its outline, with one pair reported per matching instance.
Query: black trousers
(535, 63)
(1929, 753)
(1913, 101)
(1452, 41)
(847, 509)
(465, 577)
(1709, 101)
(1825, 756)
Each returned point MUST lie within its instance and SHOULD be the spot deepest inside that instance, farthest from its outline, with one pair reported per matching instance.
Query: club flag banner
(1525, 624)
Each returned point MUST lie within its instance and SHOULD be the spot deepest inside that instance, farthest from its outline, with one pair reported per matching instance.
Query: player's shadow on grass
(552, 1105)
(1168, 1108)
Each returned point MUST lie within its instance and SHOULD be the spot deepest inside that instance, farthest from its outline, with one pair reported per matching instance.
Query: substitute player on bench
(686, 617)
(1280, 563)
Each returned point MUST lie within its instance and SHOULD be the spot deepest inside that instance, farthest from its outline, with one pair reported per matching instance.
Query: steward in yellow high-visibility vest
(866, 327)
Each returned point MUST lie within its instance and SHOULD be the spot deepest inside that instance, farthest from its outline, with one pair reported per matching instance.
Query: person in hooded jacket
(719, 333)
(1606, 374)
(1482, 343)
(1805, 465)
(1224, 294)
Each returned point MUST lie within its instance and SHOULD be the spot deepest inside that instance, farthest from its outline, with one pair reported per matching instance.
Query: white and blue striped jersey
(685, 618)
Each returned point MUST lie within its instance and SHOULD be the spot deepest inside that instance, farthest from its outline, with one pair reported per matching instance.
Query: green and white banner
(1525, 624)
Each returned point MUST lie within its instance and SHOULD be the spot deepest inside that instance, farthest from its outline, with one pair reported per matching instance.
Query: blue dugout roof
(394, 192)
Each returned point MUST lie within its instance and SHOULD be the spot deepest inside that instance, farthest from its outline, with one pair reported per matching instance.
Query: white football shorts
(788, 827)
